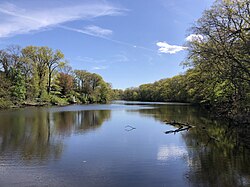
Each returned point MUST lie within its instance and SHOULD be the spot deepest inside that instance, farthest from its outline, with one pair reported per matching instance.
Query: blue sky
(129, 42)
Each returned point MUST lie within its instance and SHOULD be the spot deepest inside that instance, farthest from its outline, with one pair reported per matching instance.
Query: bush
(5, 103)
(45, 97)
(58, 101)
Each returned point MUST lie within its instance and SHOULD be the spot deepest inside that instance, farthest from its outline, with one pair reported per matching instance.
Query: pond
(120, 144)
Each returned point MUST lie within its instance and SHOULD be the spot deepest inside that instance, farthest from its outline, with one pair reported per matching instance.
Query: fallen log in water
(182, 126)
(186, 127)
(178, 130)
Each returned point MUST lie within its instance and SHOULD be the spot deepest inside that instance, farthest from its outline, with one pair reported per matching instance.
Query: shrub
(58, 101)
(5, 103)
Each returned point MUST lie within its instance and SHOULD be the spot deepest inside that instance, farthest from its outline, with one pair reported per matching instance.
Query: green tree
(222, 55)
(53, 59)
(18, 85)
(44, 62)
(91, 87)
(37, 56)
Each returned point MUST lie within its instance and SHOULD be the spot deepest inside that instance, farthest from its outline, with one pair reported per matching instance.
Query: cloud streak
(91, 30)
(97, 31)
(90, 60)
(164, 47)
(99, 67)
(105, 37)
(16, 20)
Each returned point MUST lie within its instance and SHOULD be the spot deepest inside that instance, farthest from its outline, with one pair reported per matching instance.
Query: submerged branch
(178, 130)
(186, 127)
(182, 126)
(129, 128)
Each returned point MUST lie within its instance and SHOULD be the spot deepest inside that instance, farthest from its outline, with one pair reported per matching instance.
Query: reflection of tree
(35, 134)
(29, 134)
(180, 113)
(66, 122)
(219, 161)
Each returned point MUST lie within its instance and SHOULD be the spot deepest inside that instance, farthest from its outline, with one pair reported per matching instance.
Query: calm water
(93, 146)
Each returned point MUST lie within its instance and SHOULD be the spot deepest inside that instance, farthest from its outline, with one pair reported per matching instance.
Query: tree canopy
(218, 60)
(41, 74)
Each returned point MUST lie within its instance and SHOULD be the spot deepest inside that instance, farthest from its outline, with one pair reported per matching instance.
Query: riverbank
(7, 104)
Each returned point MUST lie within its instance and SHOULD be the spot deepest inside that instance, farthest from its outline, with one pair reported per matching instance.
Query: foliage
(171, 89)
(57, 100)
(222, 56)
(18, 90)
(40, 74)
(219, 61)
(5, 103)
(65, 82)
(91, 87)
(5, 85)
(218, 58)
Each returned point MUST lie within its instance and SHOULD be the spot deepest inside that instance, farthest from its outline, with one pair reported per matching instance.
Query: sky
(127, 42)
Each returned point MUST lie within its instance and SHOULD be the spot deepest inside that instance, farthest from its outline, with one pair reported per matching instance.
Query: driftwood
(186, 127)
(178, 130)
(181, 126)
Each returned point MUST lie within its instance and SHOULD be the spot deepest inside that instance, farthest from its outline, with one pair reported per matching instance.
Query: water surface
(95, 145)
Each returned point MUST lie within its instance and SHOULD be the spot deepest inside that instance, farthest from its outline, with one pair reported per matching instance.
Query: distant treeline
(219, 64)
(40, 75)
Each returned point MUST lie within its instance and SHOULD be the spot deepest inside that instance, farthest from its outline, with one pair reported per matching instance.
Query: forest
(40, 75)
(218, 63)
(217, 75)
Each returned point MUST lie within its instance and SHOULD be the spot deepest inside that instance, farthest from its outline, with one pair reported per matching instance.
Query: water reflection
(211, 154)
(68, 122)
(217, 153)
(167, 152)
(29, 135)
(180, 113)
(36, 134)
(223, 161)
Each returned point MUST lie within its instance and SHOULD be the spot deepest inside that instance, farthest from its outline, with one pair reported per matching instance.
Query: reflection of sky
(108, 155)
(166, 152)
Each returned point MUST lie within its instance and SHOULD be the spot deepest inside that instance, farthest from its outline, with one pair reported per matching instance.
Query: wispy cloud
(97, 31)
(99, 67)
(83, 31)
(90, 60)
(120, 58)
(91, 30)
(170, 49)
(101, 63)
(194, 37)
(18, 20)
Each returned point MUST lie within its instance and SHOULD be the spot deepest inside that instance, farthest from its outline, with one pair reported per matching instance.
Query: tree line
(218, 74)
(218, 60)
(41, 75)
